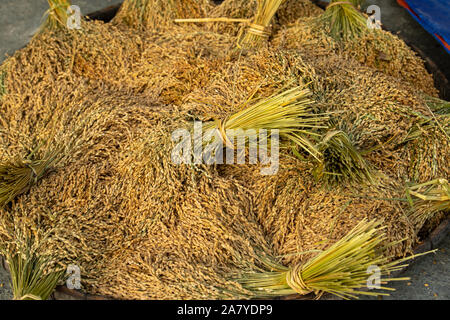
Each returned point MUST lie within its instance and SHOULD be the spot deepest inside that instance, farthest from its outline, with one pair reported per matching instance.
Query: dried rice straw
(429, 198)
(343, 19)
(342, 270)
(289, 112)
(17, 176)
(257, 31)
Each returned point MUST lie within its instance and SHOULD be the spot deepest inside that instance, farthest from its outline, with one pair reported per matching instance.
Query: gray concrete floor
(430, 275)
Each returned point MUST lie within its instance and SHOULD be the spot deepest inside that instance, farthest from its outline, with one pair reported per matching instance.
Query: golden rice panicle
(258, 31)
(159, 14)
(57, 15)
(343, 269)
(342, 162)
(427, 199)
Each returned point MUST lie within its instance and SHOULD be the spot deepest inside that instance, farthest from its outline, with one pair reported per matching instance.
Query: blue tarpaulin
(433, 15)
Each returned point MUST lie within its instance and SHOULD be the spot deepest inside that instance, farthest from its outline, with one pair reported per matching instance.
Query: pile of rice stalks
(160, 14)
(140, 226)
(375, 48)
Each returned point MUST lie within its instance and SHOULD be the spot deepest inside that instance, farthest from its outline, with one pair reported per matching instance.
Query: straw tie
(258, 30)
(34, 175)
(295, 281)
(221, 126)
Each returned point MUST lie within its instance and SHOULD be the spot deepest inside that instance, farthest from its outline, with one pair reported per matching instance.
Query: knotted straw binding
(295, 281)
(259, 30)
(34, 174)
(223, 134)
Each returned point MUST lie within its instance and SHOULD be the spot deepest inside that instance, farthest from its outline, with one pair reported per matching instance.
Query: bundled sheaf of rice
(357, 255)
(17, 176)
(343, 20)
(427, 200)
(342, 162)
(159, 14)
(35, 272)
(288, 12)
(136, 223)
(377, 49)
(428, 143)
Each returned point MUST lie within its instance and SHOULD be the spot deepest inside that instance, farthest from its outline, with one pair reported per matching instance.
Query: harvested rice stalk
(245, 10)
(428, 142)
(289, 112)
(30, 280)
(342, 269)
(342, 161)
(429, 198)
(34, 274)
(377, 49)
(17, 176)
(343, 20)
(2, 83)
(438, 106)
(56, 15)
(258, 32)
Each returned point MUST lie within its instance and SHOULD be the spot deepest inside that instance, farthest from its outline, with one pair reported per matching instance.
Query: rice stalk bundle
(344, 269)
(342, 162)
(343, 19)
(289, 112)
(258, 32)
(427, 199)
(17, 176)
(56, 15)
(29, 277)
(32, 266)
(428, 142)
(440, 119)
